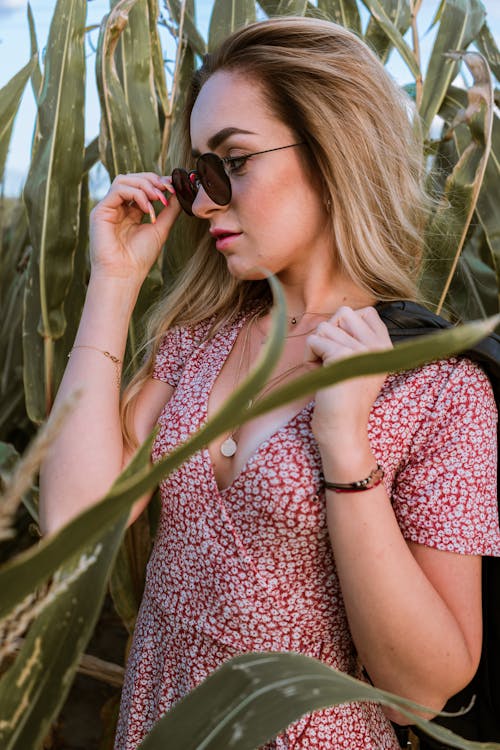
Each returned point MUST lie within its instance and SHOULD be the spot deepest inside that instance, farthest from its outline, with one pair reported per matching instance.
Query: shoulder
(442, 380)
(180, 342)
(175, 348)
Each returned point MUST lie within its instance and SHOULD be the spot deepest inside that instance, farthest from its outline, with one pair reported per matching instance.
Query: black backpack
(482, 721)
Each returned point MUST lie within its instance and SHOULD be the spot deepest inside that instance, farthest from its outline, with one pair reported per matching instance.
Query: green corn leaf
(9, 458)
(486, 44)
(438, 14)
(461, 21)
(472, 129)
(284, 7)
(343, 12)
(399, 12)
(182, 76)
(52, 192)
(487, 205)
(119, 148)
(14, 240)
(126, 584)
(160, 82)
(253, 697)
(137, 78)
(36, 397)
(36, 565)
(91, 155)
(36, 76)
(474, 292)
(227, 16)
(488, 208)
(380, 13)
(10, 99)
(292, 8)
(190, 31)
(33, 690)
(73, 304)
(31, 568)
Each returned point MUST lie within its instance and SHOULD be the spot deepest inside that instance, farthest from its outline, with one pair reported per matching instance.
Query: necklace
(290, 335)
(230, 445)
(297, 318)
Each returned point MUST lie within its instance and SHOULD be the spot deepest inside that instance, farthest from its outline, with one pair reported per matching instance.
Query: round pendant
(228, 447)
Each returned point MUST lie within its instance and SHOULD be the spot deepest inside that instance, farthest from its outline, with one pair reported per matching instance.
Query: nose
(203, 206)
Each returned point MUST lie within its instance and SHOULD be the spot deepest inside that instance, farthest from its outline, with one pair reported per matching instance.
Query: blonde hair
(363, 145)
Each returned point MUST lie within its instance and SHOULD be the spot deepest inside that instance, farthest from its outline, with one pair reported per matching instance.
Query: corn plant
(54, 591)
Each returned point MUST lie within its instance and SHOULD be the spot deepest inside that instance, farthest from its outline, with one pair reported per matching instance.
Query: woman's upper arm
(147, 409)
(457, 580)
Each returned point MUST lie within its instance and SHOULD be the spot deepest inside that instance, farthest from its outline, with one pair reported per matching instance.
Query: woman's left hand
(343, 409)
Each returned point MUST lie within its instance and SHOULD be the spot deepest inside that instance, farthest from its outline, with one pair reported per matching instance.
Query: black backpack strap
(405, 319)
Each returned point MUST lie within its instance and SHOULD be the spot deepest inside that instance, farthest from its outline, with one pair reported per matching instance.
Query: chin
(245, 272)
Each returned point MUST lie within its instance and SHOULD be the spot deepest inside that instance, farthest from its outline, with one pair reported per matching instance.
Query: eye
(235, 163)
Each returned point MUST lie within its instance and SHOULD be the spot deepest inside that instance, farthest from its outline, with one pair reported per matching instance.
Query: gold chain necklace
(230, 445)
(296, 319)
(290, 335)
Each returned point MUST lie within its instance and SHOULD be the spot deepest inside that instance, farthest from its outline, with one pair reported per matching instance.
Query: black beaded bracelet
(372, 480)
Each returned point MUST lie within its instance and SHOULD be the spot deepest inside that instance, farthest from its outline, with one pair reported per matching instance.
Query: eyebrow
(222, 135)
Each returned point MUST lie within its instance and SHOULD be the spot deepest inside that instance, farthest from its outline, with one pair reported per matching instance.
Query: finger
(373, 320)
(353, 322)
(334, 347)
(167, 217)
(167, 184)
(131, 198)
(152, 185)
(336, 333)
(143, 179)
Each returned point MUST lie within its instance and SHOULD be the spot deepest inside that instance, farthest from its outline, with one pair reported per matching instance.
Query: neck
(314, 300)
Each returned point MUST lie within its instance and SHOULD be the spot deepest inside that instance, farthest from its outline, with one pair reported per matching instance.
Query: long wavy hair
(364, 146)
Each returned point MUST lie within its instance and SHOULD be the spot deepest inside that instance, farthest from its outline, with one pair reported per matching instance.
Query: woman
(309, 528)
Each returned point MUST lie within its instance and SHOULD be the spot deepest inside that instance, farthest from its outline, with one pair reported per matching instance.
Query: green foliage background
(53, 591)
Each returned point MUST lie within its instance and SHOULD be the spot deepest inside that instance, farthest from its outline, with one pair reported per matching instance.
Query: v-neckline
(265, 443)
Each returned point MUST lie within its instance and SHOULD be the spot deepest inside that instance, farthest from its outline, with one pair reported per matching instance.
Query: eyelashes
(235, 163)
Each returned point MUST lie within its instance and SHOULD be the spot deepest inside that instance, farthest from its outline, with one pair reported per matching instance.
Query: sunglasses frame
(192, 179)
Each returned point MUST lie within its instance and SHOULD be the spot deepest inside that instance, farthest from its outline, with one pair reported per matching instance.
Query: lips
(220, 233)
(224, 238)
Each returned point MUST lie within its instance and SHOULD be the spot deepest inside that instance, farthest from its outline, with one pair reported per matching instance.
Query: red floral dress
(251, 568)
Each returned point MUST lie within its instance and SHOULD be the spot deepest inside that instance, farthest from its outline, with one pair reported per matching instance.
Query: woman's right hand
(121, 246)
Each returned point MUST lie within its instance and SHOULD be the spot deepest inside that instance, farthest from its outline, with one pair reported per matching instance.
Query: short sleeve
(445, 494)
(177, 345)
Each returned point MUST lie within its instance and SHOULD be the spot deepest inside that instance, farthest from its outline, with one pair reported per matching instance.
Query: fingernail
(152, 214)
(162, 198)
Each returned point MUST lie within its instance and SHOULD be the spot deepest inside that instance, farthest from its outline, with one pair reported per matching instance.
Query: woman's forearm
(407, 638)
(87, 454)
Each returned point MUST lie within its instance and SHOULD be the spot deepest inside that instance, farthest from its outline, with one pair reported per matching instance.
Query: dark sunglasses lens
(184, 190)
(214, 179)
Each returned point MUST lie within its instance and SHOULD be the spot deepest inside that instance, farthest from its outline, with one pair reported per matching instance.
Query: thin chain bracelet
(117, 362)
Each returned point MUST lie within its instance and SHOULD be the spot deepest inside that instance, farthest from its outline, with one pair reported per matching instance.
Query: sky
(15, 53)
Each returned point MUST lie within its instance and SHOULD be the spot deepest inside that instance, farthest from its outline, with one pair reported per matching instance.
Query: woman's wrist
(115, 296)
(347, 460)
(119, 286)
(109, 304)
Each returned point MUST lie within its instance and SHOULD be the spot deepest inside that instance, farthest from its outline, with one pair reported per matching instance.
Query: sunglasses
(213, 174)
